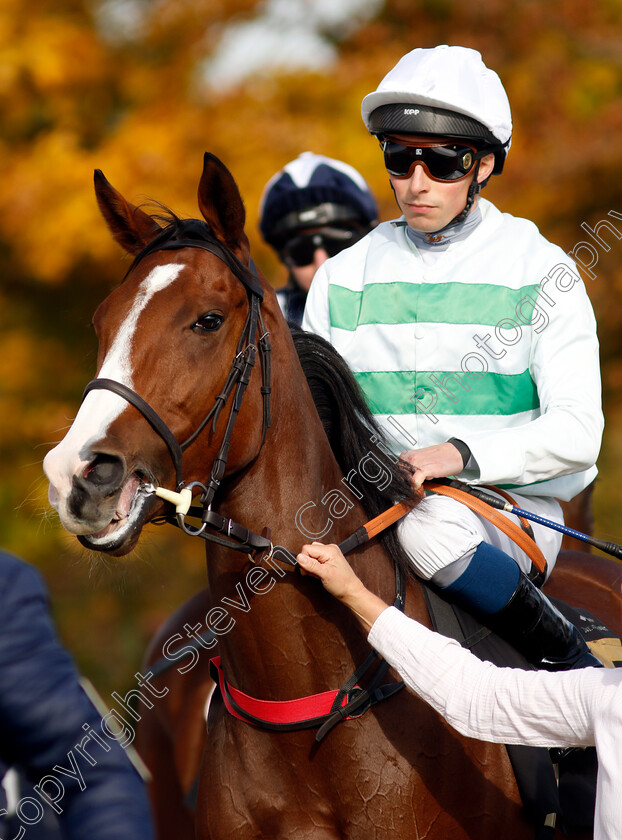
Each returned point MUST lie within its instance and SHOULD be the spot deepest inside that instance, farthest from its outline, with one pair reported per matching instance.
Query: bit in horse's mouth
(127, 520)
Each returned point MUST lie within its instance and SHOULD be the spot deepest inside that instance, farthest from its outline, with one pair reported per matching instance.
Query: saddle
(557, 788)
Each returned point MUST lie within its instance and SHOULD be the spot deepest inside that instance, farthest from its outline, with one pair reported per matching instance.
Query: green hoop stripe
(393, 392)
(442, 303)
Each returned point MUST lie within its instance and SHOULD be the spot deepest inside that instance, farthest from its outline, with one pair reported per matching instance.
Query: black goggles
(442, 163)
(300, 250)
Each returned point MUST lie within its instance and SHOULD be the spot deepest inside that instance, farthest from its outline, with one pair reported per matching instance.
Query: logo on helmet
(411, 111)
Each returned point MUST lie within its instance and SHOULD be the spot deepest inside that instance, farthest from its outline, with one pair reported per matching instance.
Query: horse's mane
(351, 429)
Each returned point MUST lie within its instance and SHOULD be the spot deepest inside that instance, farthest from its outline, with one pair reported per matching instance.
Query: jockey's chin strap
(238, 537)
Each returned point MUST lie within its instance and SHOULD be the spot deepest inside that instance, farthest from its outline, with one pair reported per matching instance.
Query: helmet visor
(442, 162)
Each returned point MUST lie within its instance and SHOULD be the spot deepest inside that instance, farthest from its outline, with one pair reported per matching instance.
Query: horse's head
(169, 337)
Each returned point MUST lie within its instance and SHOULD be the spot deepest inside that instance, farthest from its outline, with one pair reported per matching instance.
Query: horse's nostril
(105, 471)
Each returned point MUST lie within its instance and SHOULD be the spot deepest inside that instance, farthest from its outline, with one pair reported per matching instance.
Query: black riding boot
(537, 629)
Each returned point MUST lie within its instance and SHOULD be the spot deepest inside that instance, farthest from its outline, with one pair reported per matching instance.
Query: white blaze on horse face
(101, 408)
(117, 364)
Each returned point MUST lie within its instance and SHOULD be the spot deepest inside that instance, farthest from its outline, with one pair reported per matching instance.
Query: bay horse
(189, 305)
(171, 736)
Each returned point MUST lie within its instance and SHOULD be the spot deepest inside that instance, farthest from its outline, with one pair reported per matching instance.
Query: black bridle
(238, 537)
(236, 382)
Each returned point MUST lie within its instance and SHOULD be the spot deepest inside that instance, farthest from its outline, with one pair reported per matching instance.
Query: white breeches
(440, 536)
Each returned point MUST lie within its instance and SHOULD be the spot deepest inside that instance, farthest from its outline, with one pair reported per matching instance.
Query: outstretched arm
(478, 699)
(502, 705)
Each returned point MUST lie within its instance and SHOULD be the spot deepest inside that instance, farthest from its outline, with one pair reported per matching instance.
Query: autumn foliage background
(78, 93)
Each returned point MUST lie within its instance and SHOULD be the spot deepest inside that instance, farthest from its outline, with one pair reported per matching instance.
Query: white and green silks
(493, 343)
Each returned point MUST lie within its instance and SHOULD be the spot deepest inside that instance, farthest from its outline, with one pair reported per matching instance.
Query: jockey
(474, 341)
(310, 210)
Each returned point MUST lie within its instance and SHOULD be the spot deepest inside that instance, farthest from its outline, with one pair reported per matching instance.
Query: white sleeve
(564, 364)
(316, 318)
(608, 817)
(480, 700)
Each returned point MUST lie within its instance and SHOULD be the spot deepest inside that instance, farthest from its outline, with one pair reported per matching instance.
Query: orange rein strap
(388, 517)
(522, 539)
(509, 528)
(375, 526)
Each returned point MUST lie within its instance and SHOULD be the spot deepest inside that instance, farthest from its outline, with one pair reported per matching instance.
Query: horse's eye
(209, 322)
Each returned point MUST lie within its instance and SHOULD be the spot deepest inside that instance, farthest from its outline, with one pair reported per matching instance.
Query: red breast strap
(304, 711)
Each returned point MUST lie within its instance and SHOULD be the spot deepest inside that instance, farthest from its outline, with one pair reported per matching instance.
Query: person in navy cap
(311, 210)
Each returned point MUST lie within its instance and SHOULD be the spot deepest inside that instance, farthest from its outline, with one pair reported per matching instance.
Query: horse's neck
(296, 467)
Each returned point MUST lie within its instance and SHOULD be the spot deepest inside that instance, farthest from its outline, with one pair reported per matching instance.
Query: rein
(522, 536)
(236, 383)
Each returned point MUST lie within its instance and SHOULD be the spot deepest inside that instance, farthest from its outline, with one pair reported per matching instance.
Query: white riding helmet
(446, 92)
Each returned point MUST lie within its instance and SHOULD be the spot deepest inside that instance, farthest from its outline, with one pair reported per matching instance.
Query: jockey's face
(428, 205)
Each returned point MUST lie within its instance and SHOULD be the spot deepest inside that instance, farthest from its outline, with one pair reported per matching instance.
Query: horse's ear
(131, 227)
(221, 204)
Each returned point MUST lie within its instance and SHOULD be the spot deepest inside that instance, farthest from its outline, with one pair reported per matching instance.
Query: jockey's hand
(327, 563)
(437, 461)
